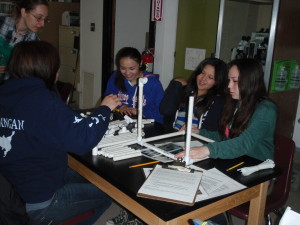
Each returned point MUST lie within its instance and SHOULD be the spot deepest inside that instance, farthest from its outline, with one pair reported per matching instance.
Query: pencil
(233, 167)
(144, 164)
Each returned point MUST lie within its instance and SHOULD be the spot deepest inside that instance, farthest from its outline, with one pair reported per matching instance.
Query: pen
(231, 168)
(144, 164)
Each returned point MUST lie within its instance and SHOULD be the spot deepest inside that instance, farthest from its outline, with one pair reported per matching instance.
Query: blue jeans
(75, 197)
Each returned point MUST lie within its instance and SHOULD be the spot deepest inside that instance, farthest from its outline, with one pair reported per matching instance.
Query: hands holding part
(128, 110)
(195, 153)
(112, 101)
(195, 130)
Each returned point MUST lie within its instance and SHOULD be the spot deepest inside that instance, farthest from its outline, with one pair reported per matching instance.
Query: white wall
(91, 11)
(131, 24)
(165, 42)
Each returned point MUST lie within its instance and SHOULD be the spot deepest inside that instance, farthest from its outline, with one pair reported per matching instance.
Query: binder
(171, 186)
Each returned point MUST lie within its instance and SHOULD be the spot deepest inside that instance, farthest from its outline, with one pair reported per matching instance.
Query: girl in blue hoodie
(123, 83)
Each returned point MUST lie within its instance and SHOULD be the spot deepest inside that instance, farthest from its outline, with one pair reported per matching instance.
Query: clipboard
(171, 186)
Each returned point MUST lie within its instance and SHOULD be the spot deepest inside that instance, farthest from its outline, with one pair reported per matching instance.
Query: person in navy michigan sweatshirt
(37, 130)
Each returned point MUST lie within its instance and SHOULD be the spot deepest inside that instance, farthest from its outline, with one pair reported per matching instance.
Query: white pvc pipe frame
(144, 142)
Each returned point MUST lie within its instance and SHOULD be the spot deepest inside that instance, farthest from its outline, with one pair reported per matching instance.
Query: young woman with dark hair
(249, 118)
(124, 83)
(37, 131)
(29, 61)
(207, 85)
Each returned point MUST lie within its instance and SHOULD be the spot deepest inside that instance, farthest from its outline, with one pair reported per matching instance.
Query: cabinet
(50, 31)
(69, 53)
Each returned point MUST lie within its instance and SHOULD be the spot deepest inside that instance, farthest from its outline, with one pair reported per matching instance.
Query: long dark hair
(35, 59)
(126, 52)
(29, 5)
(221, 71)
(252, 90)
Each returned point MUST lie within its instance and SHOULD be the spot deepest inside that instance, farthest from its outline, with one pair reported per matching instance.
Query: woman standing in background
(29, 17)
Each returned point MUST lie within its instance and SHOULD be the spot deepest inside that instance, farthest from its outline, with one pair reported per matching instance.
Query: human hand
(195, 153)
(183, 128)
(112, 101)
(182, 80)
(194, 129)
(128, 110)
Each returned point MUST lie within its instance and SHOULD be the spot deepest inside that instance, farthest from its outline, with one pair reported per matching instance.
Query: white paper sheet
(290, 217)
(171, 184)
(214, 183)
(193, 56)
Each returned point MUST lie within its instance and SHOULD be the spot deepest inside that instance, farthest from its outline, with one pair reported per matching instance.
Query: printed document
(214, 183)
(171, 185)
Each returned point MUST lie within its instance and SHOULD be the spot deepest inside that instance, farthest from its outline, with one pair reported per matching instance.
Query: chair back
(284, 157)
(65, 90)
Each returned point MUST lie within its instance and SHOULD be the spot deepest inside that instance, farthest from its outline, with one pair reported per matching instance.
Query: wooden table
(100, 172)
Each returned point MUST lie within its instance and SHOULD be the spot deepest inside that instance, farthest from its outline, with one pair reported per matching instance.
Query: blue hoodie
(153, 94)
(37, 130)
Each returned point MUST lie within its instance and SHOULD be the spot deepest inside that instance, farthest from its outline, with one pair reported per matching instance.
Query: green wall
(196, 28)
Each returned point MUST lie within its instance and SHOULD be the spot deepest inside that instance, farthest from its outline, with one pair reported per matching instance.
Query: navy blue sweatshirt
(37, 130)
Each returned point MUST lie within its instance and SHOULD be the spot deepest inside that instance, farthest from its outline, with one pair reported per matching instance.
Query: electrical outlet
(92, 27)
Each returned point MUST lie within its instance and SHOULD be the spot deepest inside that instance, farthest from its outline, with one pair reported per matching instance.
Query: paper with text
(172, 185)
(214, 183)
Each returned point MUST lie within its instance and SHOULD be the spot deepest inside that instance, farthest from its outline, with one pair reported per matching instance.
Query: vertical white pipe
(220, 28)
(142, 81)
(189, 130)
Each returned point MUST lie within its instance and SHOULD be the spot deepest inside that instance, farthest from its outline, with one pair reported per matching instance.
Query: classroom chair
(279, 192)
(65, 90)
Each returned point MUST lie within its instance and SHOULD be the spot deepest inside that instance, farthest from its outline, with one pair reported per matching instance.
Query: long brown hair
(221, 71)
(237, 113)
(35, 59)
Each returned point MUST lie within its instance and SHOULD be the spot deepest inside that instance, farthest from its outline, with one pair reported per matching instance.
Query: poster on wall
(193, 56)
